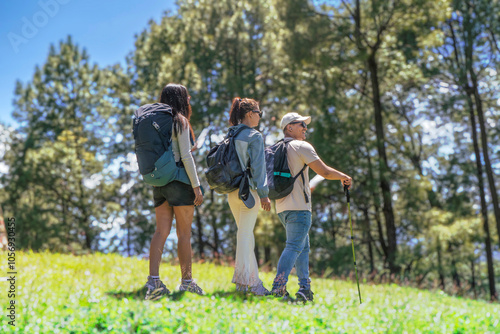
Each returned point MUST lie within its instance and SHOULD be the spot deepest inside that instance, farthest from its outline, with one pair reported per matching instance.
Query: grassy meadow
(104, 294)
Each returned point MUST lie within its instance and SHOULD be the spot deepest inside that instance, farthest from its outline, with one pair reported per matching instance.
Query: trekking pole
(346, 191)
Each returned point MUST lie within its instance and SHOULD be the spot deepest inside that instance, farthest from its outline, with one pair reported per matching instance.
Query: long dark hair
(240, 107)
(176, 96)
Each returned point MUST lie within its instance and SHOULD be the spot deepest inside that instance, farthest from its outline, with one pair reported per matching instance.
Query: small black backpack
(152, 129)
(224, 173)
(279, 178)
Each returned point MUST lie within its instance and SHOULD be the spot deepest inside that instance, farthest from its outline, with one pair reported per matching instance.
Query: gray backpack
(152, 128)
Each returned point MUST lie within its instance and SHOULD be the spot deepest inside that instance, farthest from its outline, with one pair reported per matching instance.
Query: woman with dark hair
(176, 198)
(250, 148)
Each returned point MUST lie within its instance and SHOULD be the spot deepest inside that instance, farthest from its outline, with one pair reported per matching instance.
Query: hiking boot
(191, 287)
(259, 290)
(156, 289)
(280, 292)
(304, 295)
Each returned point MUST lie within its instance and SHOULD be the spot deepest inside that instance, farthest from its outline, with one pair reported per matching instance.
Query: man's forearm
(333, 174)
(327, 172)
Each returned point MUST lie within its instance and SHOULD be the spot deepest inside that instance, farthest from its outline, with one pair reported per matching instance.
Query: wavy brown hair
(176, 96)
(240, 107)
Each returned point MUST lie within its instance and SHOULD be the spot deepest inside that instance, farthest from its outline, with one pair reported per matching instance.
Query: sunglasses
(258, 112)
(302, 123)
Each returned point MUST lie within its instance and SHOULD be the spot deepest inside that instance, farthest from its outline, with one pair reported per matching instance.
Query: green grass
(104, 293)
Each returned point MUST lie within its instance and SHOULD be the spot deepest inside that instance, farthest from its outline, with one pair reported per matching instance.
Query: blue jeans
(296, 253)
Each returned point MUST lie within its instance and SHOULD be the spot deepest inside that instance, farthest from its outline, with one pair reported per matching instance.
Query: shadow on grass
(177, 295)
(139, 294)
(232, 295)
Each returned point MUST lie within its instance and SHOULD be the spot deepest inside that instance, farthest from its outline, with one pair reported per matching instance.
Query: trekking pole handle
(346, 191)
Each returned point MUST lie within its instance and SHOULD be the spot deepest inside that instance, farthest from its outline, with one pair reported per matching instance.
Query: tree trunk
(215, 231)
(391, 249)
(440, 264)
(88, 239)
(383, 169)
(376, 203)
(65, 222)
(129, 228)
(87, 228)
(213, 221)
(469, 92)
(469, 36)
(127, 214)
(267, 255)
(454, 271)
(473, 283)
(368, 237)
(486, 155)
(257, 254)
(333, 234)
(484, 209)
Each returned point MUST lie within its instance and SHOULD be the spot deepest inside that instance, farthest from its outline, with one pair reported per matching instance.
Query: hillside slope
(104, 293)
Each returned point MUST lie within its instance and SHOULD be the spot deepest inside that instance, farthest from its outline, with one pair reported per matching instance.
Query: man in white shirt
(294, 210)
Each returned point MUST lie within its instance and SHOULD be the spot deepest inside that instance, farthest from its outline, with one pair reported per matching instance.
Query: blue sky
(106, 28)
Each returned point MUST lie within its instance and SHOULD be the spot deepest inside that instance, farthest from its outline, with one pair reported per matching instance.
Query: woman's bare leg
(183, 222)
(164, 217)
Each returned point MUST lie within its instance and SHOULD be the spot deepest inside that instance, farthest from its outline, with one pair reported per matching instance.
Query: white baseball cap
(294, 117)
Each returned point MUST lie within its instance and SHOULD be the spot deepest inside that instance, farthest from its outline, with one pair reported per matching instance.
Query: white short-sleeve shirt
(299, 152)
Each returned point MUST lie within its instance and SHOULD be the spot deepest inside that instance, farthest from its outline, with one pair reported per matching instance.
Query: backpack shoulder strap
(304, 182)
(301, 173)
(233, 133)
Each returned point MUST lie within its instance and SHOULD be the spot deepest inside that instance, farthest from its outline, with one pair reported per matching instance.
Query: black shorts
(175, 193)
